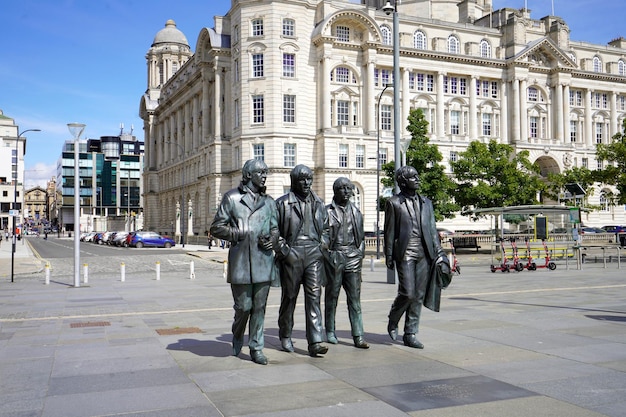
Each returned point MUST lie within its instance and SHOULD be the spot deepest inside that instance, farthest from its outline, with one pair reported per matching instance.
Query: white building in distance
(299, 82)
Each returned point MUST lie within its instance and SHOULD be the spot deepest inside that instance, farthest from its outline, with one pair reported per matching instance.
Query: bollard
(85, 273)
(158, 270)
(47, 273)
(371, 263)
(604, 257)
(192, 273)
(225, 273)
(123, 271)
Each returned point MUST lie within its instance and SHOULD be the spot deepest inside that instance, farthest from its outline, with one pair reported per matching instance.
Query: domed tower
(169, 51)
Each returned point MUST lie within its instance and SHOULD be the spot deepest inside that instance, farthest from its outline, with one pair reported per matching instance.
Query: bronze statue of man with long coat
(248, 219)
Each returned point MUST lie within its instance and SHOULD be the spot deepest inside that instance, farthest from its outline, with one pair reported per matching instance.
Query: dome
(170, 34)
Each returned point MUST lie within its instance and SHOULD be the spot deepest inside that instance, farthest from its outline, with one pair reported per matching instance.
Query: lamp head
(388, 8)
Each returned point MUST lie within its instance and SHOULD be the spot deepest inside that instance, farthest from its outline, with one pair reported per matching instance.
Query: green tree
(494, 175)
(426, 159)
(579, 175)
(614, 173)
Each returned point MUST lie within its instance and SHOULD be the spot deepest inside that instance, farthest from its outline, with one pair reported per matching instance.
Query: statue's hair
(405, 172)
(250, 166)
(341, 181)
(300, 171)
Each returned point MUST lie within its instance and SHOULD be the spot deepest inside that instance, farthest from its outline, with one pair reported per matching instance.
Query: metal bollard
(123, 272)
(158, 270)
(47, 273)
(85, 273)
(225, 272)
(371, 263)
(192, 273)
(603, 257)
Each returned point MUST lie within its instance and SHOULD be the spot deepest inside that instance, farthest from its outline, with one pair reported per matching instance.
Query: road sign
(14, 213)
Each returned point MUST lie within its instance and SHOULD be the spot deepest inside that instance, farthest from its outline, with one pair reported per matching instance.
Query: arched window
(386, 35)
(597, 64)
(453, 44)
(343, 75)
(485, 49)
(621, 67)
(604, 201)
(419, 40)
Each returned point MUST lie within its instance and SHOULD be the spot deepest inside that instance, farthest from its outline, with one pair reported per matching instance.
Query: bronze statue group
(296, 241)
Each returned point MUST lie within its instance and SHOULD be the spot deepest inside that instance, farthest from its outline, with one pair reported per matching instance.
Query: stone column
(504, 112)
(565, 115)
(588, 119)
(325, 104)
(440, 107)
(515, 130)
(557, 109)
(473, 122)
(370, 94)
(523, 111)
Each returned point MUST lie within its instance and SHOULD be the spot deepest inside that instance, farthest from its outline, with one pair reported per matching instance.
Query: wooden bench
(461, 242)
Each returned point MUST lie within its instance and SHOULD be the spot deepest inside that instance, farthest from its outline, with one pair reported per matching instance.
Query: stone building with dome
(304, 82)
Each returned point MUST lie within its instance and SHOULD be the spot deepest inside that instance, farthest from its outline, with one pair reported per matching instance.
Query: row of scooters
(516, 263)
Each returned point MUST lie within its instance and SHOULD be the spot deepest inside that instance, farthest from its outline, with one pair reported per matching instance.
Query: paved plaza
(533, 343)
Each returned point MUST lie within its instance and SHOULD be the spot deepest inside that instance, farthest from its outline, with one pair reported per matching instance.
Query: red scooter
(548, 264)
(530, 264)
(504, 266)
(517, 262)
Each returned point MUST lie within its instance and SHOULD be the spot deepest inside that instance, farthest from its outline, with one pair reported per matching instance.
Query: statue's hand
(389, 262)
(265, 242)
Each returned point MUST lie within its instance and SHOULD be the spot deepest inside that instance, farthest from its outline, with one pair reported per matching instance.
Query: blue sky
(84, 60)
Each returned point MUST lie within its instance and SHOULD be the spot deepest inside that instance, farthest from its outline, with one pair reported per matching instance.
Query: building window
(235, 34)
(533, 94)
(257, 65)
(386, 34)
(289, 108)
(343, 155)
(289, 65)
(289, 155)
(342, 33)
(360, 156)
(236, 70)
(257, 27)
(453, 44)
(599, 165)
(419, 40)
(573, 125)
(289, 27)
(485, 49)
(597, 64)
(487, 124)
(343, 112)
(382, 156)
(258, 151)
(237, 106)
(604, 201)
(576, 98)
(385, 117)
(455, 122)
(258, 109)
(621, 67)
(534, 127)
(599, 127)
(585, 162)
(454, 156)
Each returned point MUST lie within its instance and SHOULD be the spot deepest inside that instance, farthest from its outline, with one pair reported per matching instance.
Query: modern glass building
(110, 171)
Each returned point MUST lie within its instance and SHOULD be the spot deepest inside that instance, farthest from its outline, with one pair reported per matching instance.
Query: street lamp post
(17, 164)
(378, 172)
(182, 195)
(76, 129)
(389, 9)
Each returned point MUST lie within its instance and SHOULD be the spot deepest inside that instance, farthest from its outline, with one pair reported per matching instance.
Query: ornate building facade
(311, 82)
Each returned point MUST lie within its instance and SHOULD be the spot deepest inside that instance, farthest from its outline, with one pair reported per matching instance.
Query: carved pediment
(544, 53)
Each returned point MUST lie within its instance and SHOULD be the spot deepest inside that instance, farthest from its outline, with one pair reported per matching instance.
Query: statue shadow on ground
(219, 348)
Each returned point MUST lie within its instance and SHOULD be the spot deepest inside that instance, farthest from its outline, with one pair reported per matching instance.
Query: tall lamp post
(389, 9)
(76, 129)
(378, 172)
(183, 214)
(17, 163)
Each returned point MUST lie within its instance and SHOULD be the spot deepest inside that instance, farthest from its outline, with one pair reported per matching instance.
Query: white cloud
(39, 175)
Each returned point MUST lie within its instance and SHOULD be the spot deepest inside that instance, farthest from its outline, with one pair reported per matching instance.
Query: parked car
(120, 239)
(585, 230)
(141, 239)
(615, 229)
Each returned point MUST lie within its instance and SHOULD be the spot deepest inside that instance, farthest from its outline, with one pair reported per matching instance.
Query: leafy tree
(494, 175)
(556, 182)
(426, 159)
(614, 173)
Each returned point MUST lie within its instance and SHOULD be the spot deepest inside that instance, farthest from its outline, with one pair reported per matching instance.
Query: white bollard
(158, 270)
(371, 263)
(85, 273)
(123, 271)
(225, 273)
(192, 273)
(47, 273)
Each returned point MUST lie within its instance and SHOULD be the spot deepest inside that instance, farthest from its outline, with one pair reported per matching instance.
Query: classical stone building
(36, 205)
(308, 82)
